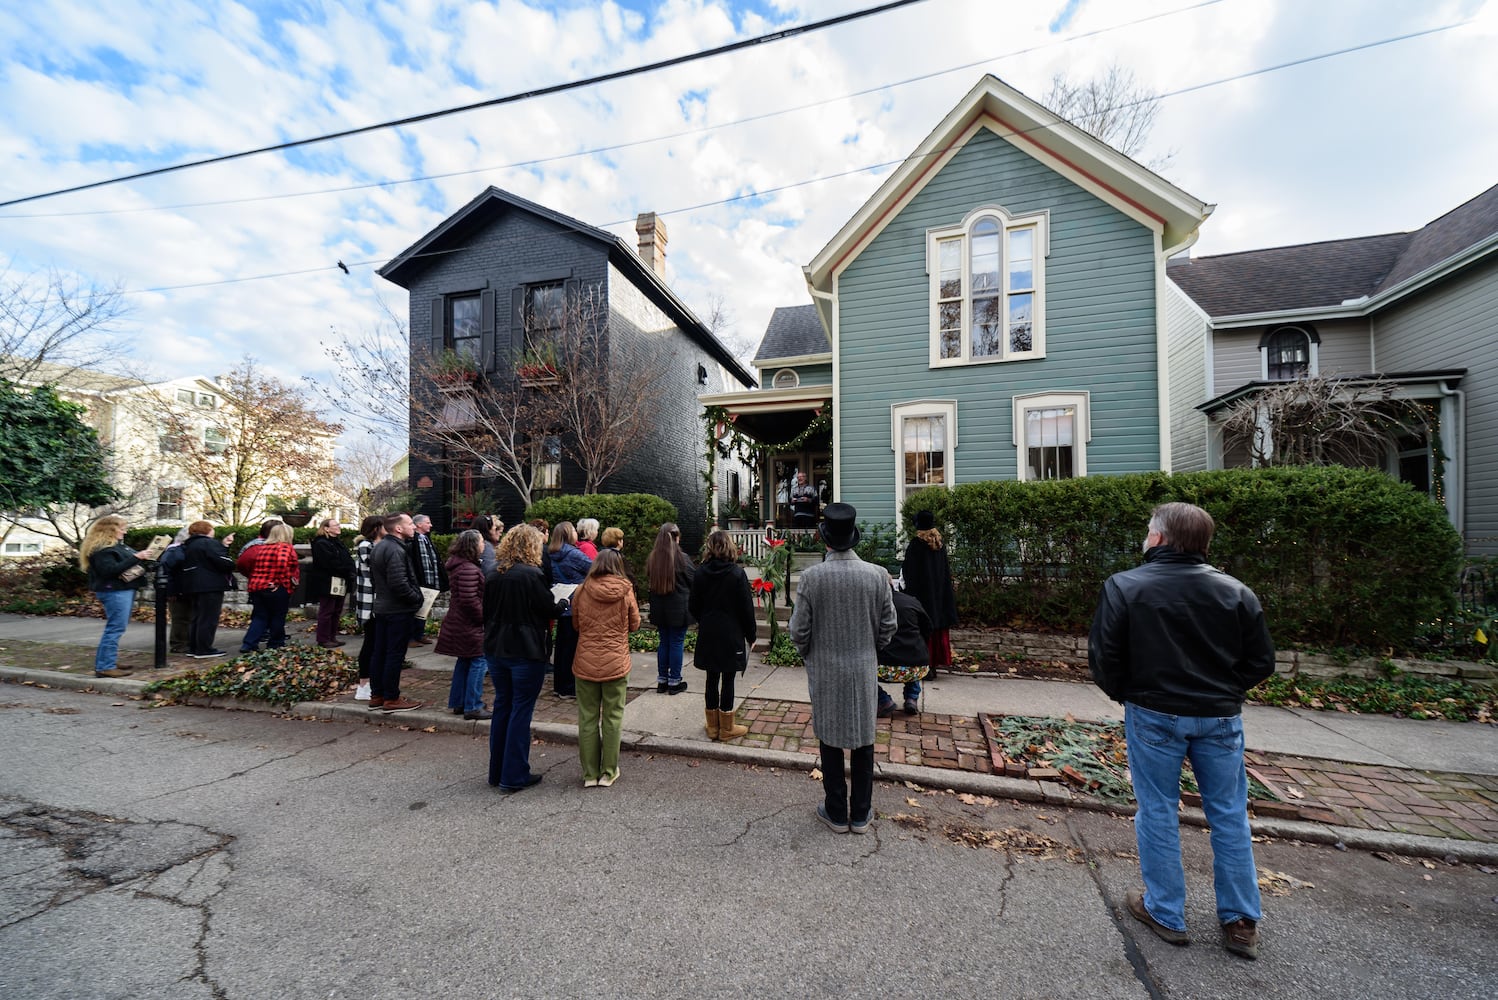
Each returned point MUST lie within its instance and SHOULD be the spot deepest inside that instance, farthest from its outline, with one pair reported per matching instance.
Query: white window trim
(1007, 224)
(1043, 400)
(898, 412)
(793, 382)
(1312, 370)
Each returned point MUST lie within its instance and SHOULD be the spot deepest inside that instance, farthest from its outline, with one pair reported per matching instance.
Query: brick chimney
(652, 233)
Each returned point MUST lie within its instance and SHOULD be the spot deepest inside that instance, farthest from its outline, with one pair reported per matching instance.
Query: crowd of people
(1176, 641)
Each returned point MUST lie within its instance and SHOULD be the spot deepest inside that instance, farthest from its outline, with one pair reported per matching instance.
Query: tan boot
(712, 723)
(729, 729)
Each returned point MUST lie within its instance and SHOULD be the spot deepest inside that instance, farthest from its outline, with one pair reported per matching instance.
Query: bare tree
(1112, 107)
(1322, 420)
(719, 319)
(55, 320)
(266, 436)
(371, 377)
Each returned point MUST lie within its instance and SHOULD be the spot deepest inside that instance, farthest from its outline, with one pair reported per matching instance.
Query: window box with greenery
(539, 366)
(296, 512)
(455, 371)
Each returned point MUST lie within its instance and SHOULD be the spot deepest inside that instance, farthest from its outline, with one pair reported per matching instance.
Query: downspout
(1456, 493)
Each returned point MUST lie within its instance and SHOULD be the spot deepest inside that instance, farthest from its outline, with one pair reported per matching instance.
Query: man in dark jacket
(430, 572)
(1179, 643)
(909, 649)
(396, 601)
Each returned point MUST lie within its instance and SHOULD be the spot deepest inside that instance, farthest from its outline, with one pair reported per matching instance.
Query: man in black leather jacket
(1179, 643)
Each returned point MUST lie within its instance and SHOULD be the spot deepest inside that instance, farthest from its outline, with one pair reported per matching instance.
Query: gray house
(502, 269)
(1417, 309)
(997, 310)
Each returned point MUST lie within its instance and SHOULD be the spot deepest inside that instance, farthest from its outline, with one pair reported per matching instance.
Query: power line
(631, 143)
(495, 102)
(762, 192)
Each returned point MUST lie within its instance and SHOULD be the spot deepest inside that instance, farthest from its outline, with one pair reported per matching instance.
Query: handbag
(132, 574)
(337, 587)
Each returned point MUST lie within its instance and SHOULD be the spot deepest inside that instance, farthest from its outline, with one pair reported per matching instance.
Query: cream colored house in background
(132, 417)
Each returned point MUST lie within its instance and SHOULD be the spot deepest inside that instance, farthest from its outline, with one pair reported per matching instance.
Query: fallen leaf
(117, 704)
(694, 763)
(1426, 877)
(816, 774)
(430, 729)
(912, 802)
(911, 784)
(1281, 884)
(1294, 793)
(1427, 864)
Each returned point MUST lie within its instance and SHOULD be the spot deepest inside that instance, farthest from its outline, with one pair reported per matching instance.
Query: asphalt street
(170, 852)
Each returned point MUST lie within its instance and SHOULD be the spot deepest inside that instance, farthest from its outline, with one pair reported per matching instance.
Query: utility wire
(631, 143)
(557, 88)
(761, 192)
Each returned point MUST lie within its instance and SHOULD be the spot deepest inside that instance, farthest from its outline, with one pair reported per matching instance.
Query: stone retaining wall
(1072, 649)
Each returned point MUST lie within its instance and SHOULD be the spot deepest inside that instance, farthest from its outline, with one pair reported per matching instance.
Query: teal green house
(997, 310)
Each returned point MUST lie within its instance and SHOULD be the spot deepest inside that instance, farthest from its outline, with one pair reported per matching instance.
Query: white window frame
(22, 548)
(181, 503)
(215, 447)
(786, 378)
(1082, 432)
(898, 414)
(1313, 367)
(1008, 224)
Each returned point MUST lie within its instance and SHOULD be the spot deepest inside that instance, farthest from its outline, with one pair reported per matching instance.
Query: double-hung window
(1051, 431)
(465, 326)
(988, 288)
(923, 436)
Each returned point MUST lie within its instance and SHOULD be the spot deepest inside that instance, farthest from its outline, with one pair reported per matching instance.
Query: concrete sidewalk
(1389, 773)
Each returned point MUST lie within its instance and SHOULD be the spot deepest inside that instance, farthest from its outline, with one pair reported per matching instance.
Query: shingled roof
(794, 332)
(1323, 275)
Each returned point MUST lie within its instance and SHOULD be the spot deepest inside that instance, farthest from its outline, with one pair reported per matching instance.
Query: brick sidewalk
(927, 739)
(1428, 803)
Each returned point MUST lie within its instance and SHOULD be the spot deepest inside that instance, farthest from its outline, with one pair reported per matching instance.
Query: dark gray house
(480, 285)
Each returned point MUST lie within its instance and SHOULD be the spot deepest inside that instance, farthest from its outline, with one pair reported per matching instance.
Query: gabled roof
(451, 233)
(1337, 273)
(75, 378)
(794, 332)
(1130, 187)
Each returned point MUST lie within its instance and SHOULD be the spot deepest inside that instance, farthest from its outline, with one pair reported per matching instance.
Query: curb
(946, 779)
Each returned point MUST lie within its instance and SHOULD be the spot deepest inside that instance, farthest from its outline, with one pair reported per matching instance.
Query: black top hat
(838, 529)
(924, 521)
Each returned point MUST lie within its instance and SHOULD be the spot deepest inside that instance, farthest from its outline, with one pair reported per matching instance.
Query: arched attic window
(786, 378)
(1289, 352)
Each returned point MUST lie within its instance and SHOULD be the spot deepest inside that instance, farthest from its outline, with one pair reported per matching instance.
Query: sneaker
(861, 825)
(660, 687)
(112, 672)
(605, 780)
(567, 695)
(399, 705)
(362, 692)
(1241, 937)
(375, 704)
(208, 655)
(911, 708)
(829, 822)
(590, 782)
(1134, 899)
(886, 710)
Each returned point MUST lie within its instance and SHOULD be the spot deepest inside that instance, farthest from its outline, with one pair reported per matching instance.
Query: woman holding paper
(114, 575)
(569, 566)
(329, 580)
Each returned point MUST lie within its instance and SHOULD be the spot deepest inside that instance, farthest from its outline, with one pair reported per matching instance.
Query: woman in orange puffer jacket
(604, 612)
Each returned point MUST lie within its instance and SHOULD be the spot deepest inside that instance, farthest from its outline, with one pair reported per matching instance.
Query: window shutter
(517, 324)
(486, 331)
(439, 323)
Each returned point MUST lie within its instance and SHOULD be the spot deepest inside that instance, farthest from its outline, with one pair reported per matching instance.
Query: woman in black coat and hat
(721, 603)
(928, 578)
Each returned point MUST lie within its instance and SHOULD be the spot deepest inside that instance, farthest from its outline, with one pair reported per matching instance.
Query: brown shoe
(1134, 899)
(413, 644)
(1241, 937)
(114, 672)
(375, 704)
(401, 705)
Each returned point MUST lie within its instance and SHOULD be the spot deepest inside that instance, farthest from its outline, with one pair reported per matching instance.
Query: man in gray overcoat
(843, 614)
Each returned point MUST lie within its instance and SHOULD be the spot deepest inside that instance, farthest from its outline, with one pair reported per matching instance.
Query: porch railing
(751, 541)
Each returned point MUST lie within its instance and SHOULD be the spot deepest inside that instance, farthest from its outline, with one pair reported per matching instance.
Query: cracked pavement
(181, 852)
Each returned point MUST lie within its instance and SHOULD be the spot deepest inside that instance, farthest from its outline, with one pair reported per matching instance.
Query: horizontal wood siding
(1345, 347)
(1455, 325)
(1235, 359)
(810, 374)
(1186, 334)
(1100, 329)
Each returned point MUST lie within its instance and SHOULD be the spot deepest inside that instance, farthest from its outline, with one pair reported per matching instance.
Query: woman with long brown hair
(604, 612)
(669, 573)
(462, 632)
(721, 603)
(569, 566)
(115, 573)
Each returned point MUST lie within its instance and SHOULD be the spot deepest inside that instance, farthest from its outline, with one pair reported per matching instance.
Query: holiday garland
(726, 440)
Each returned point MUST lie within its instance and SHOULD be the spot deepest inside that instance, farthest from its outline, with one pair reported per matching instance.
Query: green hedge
(139, 538)
(640, 515)
(1338, 557)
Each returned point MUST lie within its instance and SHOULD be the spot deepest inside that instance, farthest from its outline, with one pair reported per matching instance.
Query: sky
(1378, 140)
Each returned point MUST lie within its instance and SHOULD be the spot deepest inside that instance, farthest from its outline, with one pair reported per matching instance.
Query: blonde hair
(100, 536)
(563, 534)
(280, 533)
(611, 538)
(520, 546)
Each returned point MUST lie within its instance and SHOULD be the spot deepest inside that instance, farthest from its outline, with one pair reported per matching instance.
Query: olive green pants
(600, 721)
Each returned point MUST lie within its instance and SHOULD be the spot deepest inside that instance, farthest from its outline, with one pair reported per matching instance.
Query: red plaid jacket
(273, 566)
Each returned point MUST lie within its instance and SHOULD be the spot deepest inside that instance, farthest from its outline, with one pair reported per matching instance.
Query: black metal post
(161, 603)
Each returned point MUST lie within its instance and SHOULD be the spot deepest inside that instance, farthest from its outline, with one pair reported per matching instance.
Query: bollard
(160, 579)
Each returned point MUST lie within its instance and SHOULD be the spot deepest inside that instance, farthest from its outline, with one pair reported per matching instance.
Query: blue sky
(1374, 141)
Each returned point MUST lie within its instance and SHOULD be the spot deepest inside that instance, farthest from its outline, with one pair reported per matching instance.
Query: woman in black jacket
(669, 573)
(207, 571)
(330, 561)
(104, 556)
(928, 578)
(518, 610)
(721, 603)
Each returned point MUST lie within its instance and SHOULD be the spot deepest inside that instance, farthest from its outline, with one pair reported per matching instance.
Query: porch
(784, 438)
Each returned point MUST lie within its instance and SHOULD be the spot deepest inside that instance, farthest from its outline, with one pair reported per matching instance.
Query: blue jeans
(517, 682)
(912, 693)
(467, 691)
(1158, 743)
(668, 655)
(117, 604)
(267, 617)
